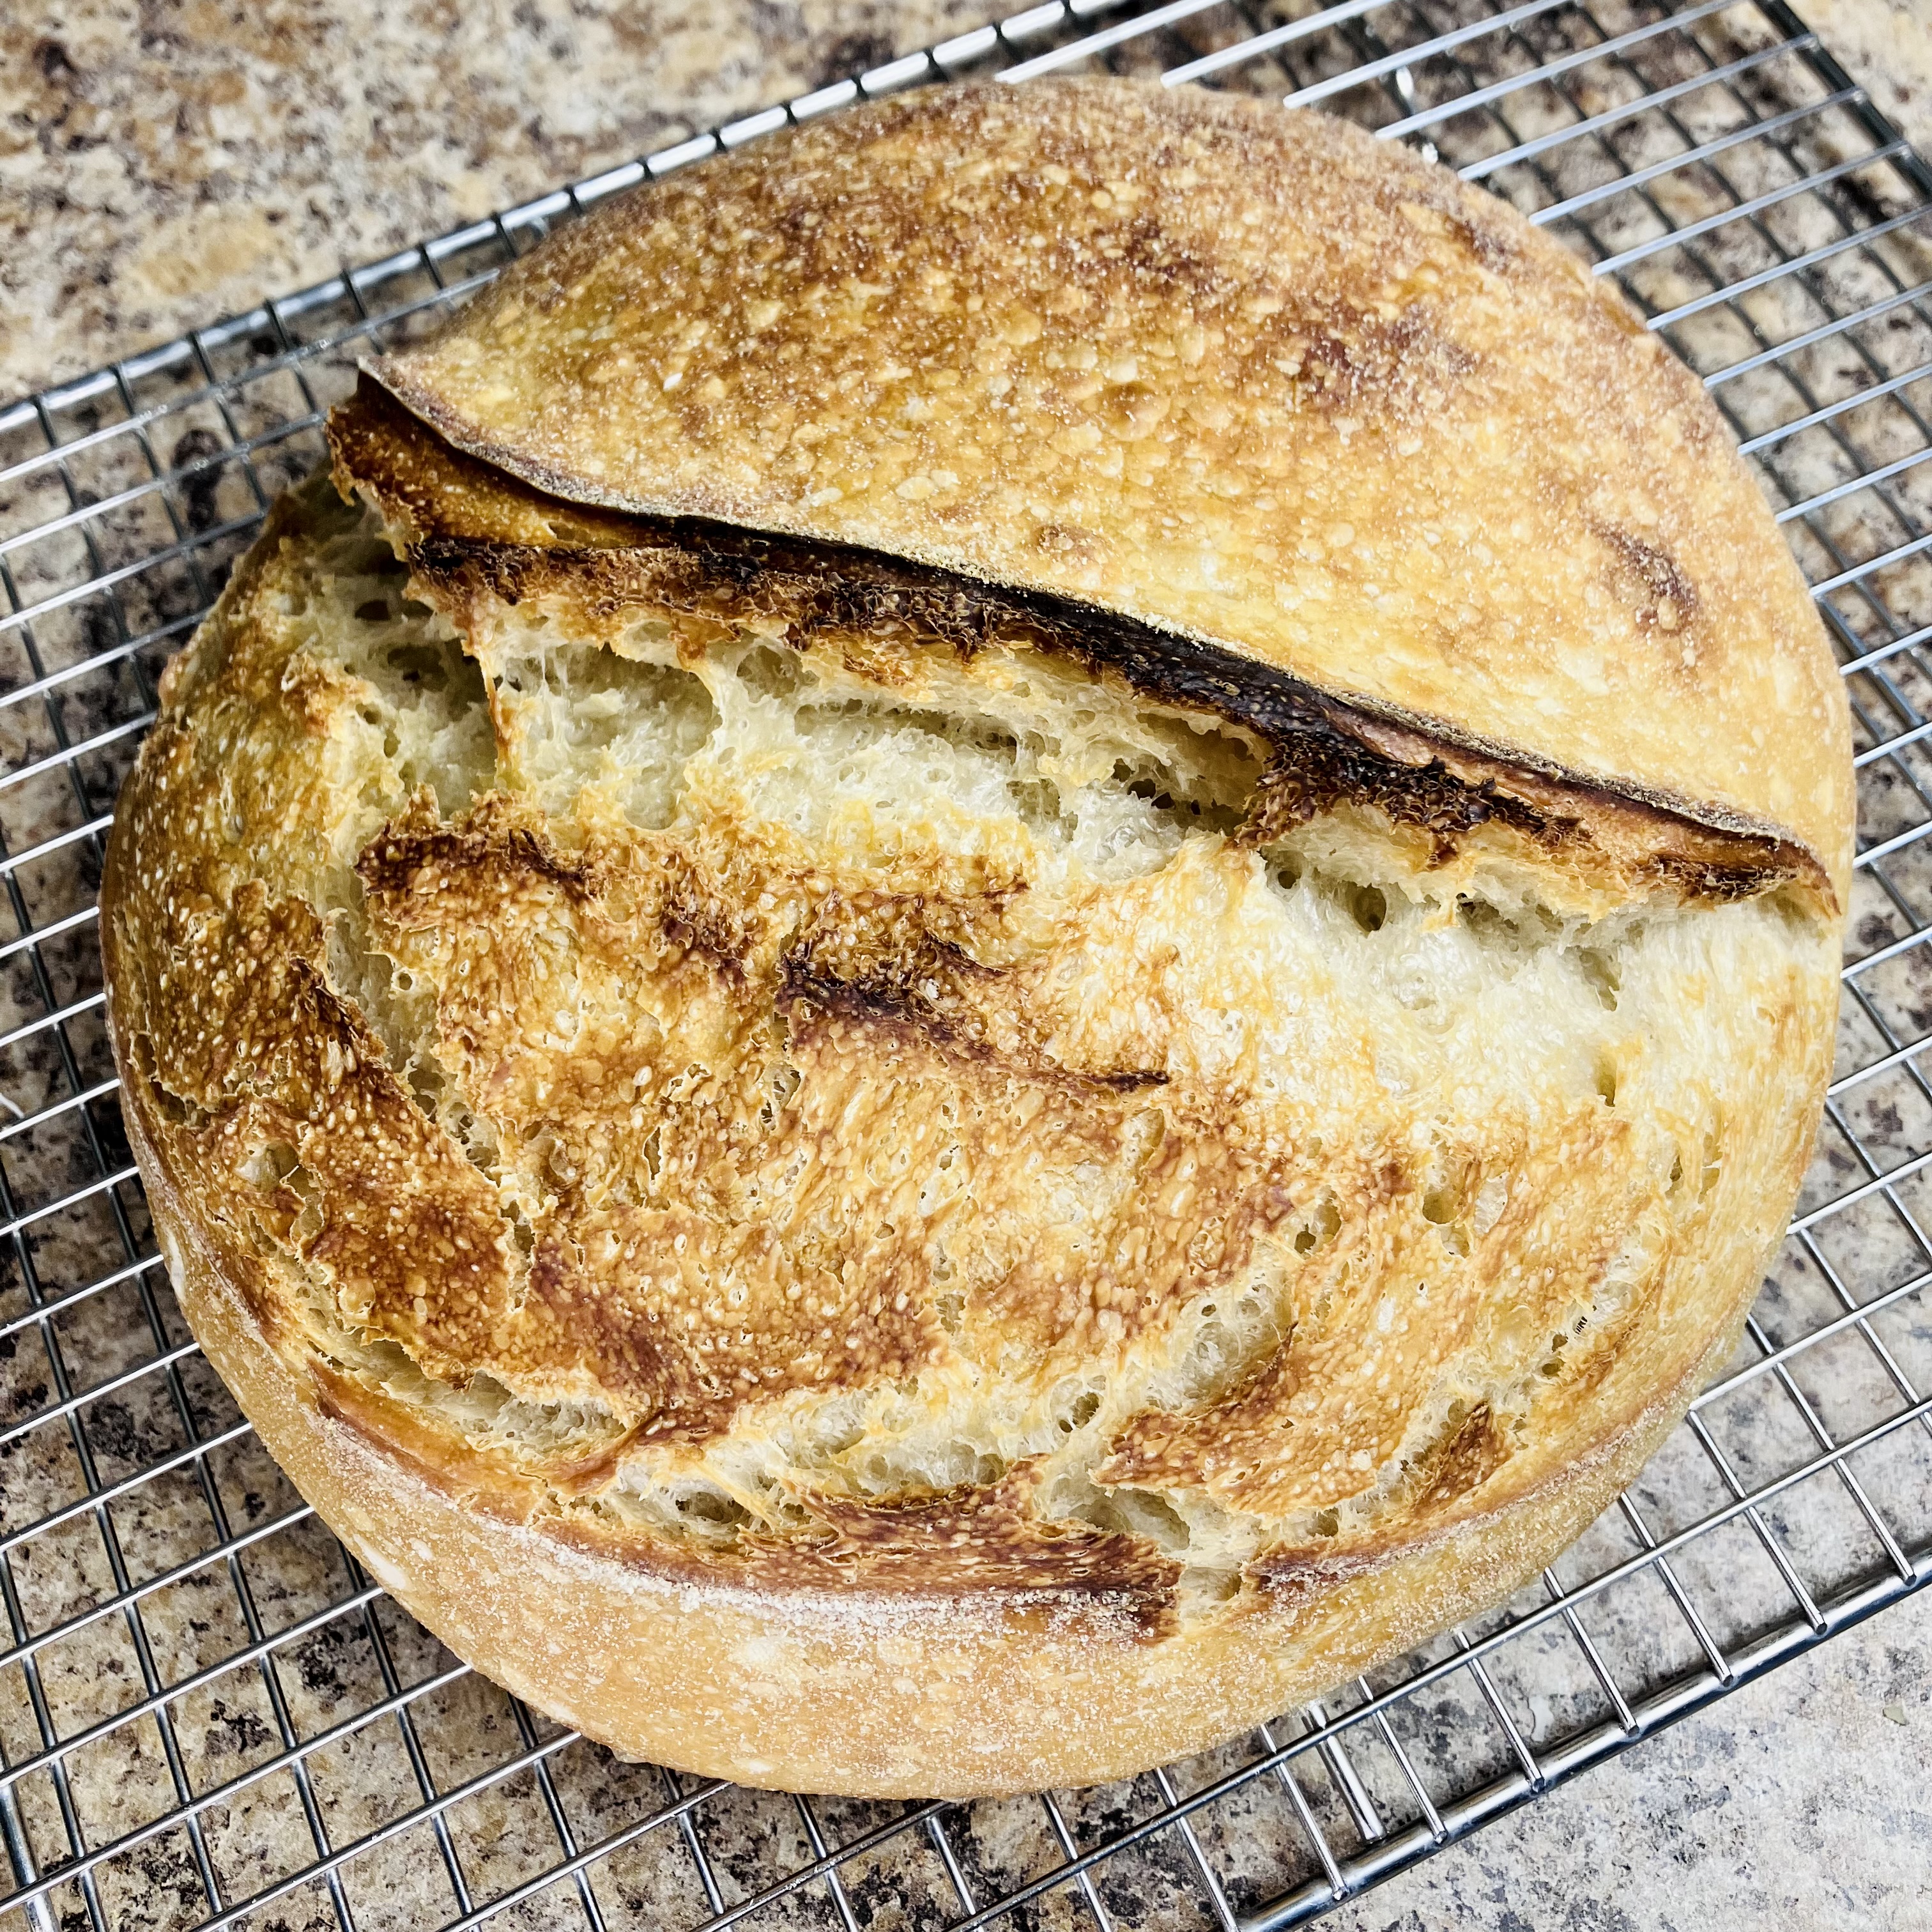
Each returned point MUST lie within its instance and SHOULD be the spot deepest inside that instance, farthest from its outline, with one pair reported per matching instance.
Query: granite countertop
(162, 165)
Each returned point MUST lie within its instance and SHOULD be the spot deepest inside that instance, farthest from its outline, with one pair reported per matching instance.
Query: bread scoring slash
(1009, 927)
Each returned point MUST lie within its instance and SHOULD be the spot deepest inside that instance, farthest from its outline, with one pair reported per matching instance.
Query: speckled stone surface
(1886, 46)
(1800, 1801)
(162, 166)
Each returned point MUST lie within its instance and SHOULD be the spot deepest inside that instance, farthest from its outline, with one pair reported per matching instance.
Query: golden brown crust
(1249, 376)
(739, 1109)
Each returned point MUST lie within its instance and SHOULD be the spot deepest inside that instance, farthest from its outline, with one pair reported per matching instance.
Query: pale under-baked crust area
(868, 1180)
(1252, 375)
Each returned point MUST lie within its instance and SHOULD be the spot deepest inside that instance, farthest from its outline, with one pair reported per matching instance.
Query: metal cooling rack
(209, 1714)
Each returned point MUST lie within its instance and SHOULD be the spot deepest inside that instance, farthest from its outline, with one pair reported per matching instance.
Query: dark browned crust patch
(978, 1537)
(1468, 1458)
(1439, 1491)
(419, 853)
(1326, 750)
(915, 982)
(1666, 597)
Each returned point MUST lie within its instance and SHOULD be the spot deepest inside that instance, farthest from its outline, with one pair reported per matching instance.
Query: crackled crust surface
(1247, 374)
(865, 1179)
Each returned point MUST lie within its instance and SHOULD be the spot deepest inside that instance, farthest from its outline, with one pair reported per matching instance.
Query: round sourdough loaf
(1016, 925)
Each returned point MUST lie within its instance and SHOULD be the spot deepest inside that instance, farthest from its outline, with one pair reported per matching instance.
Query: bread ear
(1249, 376)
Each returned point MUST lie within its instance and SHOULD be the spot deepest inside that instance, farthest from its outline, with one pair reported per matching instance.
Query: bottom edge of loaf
(855, 1693)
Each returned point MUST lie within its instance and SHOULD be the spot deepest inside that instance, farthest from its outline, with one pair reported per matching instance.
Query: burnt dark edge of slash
(1324, 749)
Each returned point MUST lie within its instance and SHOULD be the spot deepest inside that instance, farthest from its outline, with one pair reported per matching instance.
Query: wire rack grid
(210, 1715)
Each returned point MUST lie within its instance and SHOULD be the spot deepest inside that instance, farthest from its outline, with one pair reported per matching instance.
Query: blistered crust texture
(863, 1177)
(1245, 373)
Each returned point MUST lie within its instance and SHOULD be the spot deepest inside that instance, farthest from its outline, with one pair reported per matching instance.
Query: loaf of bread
(1012, 926)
